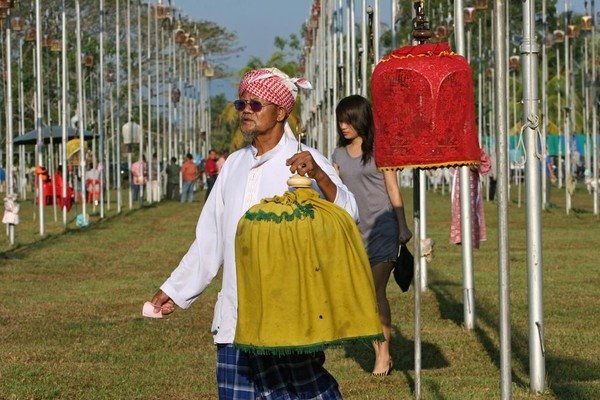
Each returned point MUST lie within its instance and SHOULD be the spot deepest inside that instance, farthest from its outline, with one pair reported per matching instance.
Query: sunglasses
(255, 105)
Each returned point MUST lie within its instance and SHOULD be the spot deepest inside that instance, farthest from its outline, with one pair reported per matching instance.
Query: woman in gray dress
(380, 205)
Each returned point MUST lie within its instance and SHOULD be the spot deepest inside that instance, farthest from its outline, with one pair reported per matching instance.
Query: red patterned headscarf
(273, 85)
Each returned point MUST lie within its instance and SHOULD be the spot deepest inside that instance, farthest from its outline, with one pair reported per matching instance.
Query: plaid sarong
(245, 376)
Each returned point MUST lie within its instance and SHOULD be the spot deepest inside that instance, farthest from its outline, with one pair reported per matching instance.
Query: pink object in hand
(148, 311)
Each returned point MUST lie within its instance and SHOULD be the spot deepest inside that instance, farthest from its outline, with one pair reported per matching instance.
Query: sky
(256, 23)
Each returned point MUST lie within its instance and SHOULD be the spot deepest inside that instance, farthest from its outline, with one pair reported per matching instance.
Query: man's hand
(163, 303)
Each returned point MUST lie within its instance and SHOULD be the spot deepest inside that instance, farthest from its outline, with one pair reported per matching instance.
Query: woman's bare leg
(381, 276)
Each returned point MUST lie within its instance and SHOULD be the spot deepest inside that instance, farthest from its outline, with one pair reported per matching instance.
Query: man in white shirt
(259, 170)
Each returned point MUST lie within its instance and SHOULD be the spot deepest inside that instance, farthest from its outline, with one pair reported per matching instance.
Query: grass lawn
(71, 324)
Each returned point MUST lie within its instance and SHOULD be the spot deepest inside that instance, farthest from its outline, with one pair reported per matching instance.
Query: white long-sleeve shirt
(244, 180)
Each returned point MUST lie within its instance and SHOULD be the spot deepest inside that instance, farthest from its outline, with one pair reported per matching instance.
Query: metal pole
(529, 54)
(545, 119)
(9, 123)
(38, 112)
(22, 186)
(347, 42)
(365, 50)
(423, 228)
(567, 133)
(352, 35)
(417, 279)
(465, 200)
(102, 157)
(140, 103)
(118, 105)
(64, 111)
(375, 32)
(502, 195)
(132, 131)
(394, 11)
(595, 166)
(80, 117)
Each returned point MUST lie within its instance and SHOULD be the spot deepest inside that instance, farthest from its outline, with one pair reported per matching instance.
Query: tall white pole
(101, 126)
(347, 45)
(129, 104)
(529, 55)
(38, 113)
(465, 199)
(502, 195)
(140, 103)
(118, 104)
(545, 119)
(376, 31)
(9, 123)
(568, 113)
(64, 110)
(595, 165)
(80, 116)
(364, 56)
(22, 187)
(352, 36)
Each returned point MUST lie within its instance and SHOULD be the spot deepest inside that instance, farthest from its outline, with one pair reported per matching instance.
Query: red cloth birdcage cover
(423, 109)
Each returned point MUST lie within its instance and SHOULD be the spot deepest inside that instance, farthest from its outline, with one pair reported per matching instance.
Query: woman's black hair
(356, 111)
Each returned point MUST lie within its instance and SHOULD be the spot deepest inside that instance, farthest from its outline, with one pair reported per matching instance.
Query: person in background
(211, 171)
(153, 188)
(189, 175)
(139, 176)
(221, 160)
(380, 206)
(257, 171)
(2, 179)
(173, 170)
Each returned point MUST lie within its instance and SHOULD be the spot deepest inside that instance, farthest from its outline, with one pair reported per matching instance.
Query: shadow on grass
(20, 252)
(564, 376)
(403, 353)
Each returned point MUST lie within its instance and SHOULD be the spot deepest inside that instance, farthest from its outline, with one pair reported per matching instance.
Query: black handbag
(404, 268)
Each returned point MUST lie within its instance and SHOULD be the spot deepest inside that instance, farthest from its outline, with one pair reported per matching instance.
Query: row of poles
(352, 48)
(173, 103)
(341, 49)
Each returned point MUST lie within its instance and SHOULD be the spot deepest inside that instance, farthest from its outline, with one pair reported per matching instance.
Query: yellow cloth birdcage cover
(303, 275)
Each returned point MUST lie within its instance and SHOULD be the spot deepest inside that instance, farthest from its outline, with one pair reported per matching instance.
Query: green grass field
(71, 326)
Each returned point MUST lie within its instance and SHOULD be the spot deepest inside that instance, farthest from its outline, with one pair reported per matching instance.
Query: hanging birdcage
(47, 40)
(441, 32)
(111, 77)
(514, 62)
(30, 35)
(586, 23)
(190, 42)
(481, 5)
(161, 11)
(88, 60)
(17, 23)
(573, 31)
(175, 95)
(469, 15)
(423, 109)
(559, 36)
(194, 51)
(180, 36)
(56, 46)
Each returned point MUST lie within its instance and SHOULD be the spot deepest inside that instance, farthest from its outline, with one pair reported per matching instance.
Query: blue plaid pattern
(245, 376)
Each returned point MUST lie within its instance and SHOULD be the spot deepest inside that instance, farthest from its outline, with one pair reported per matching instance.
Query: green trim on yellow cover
(299, 212)
(306, 349)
